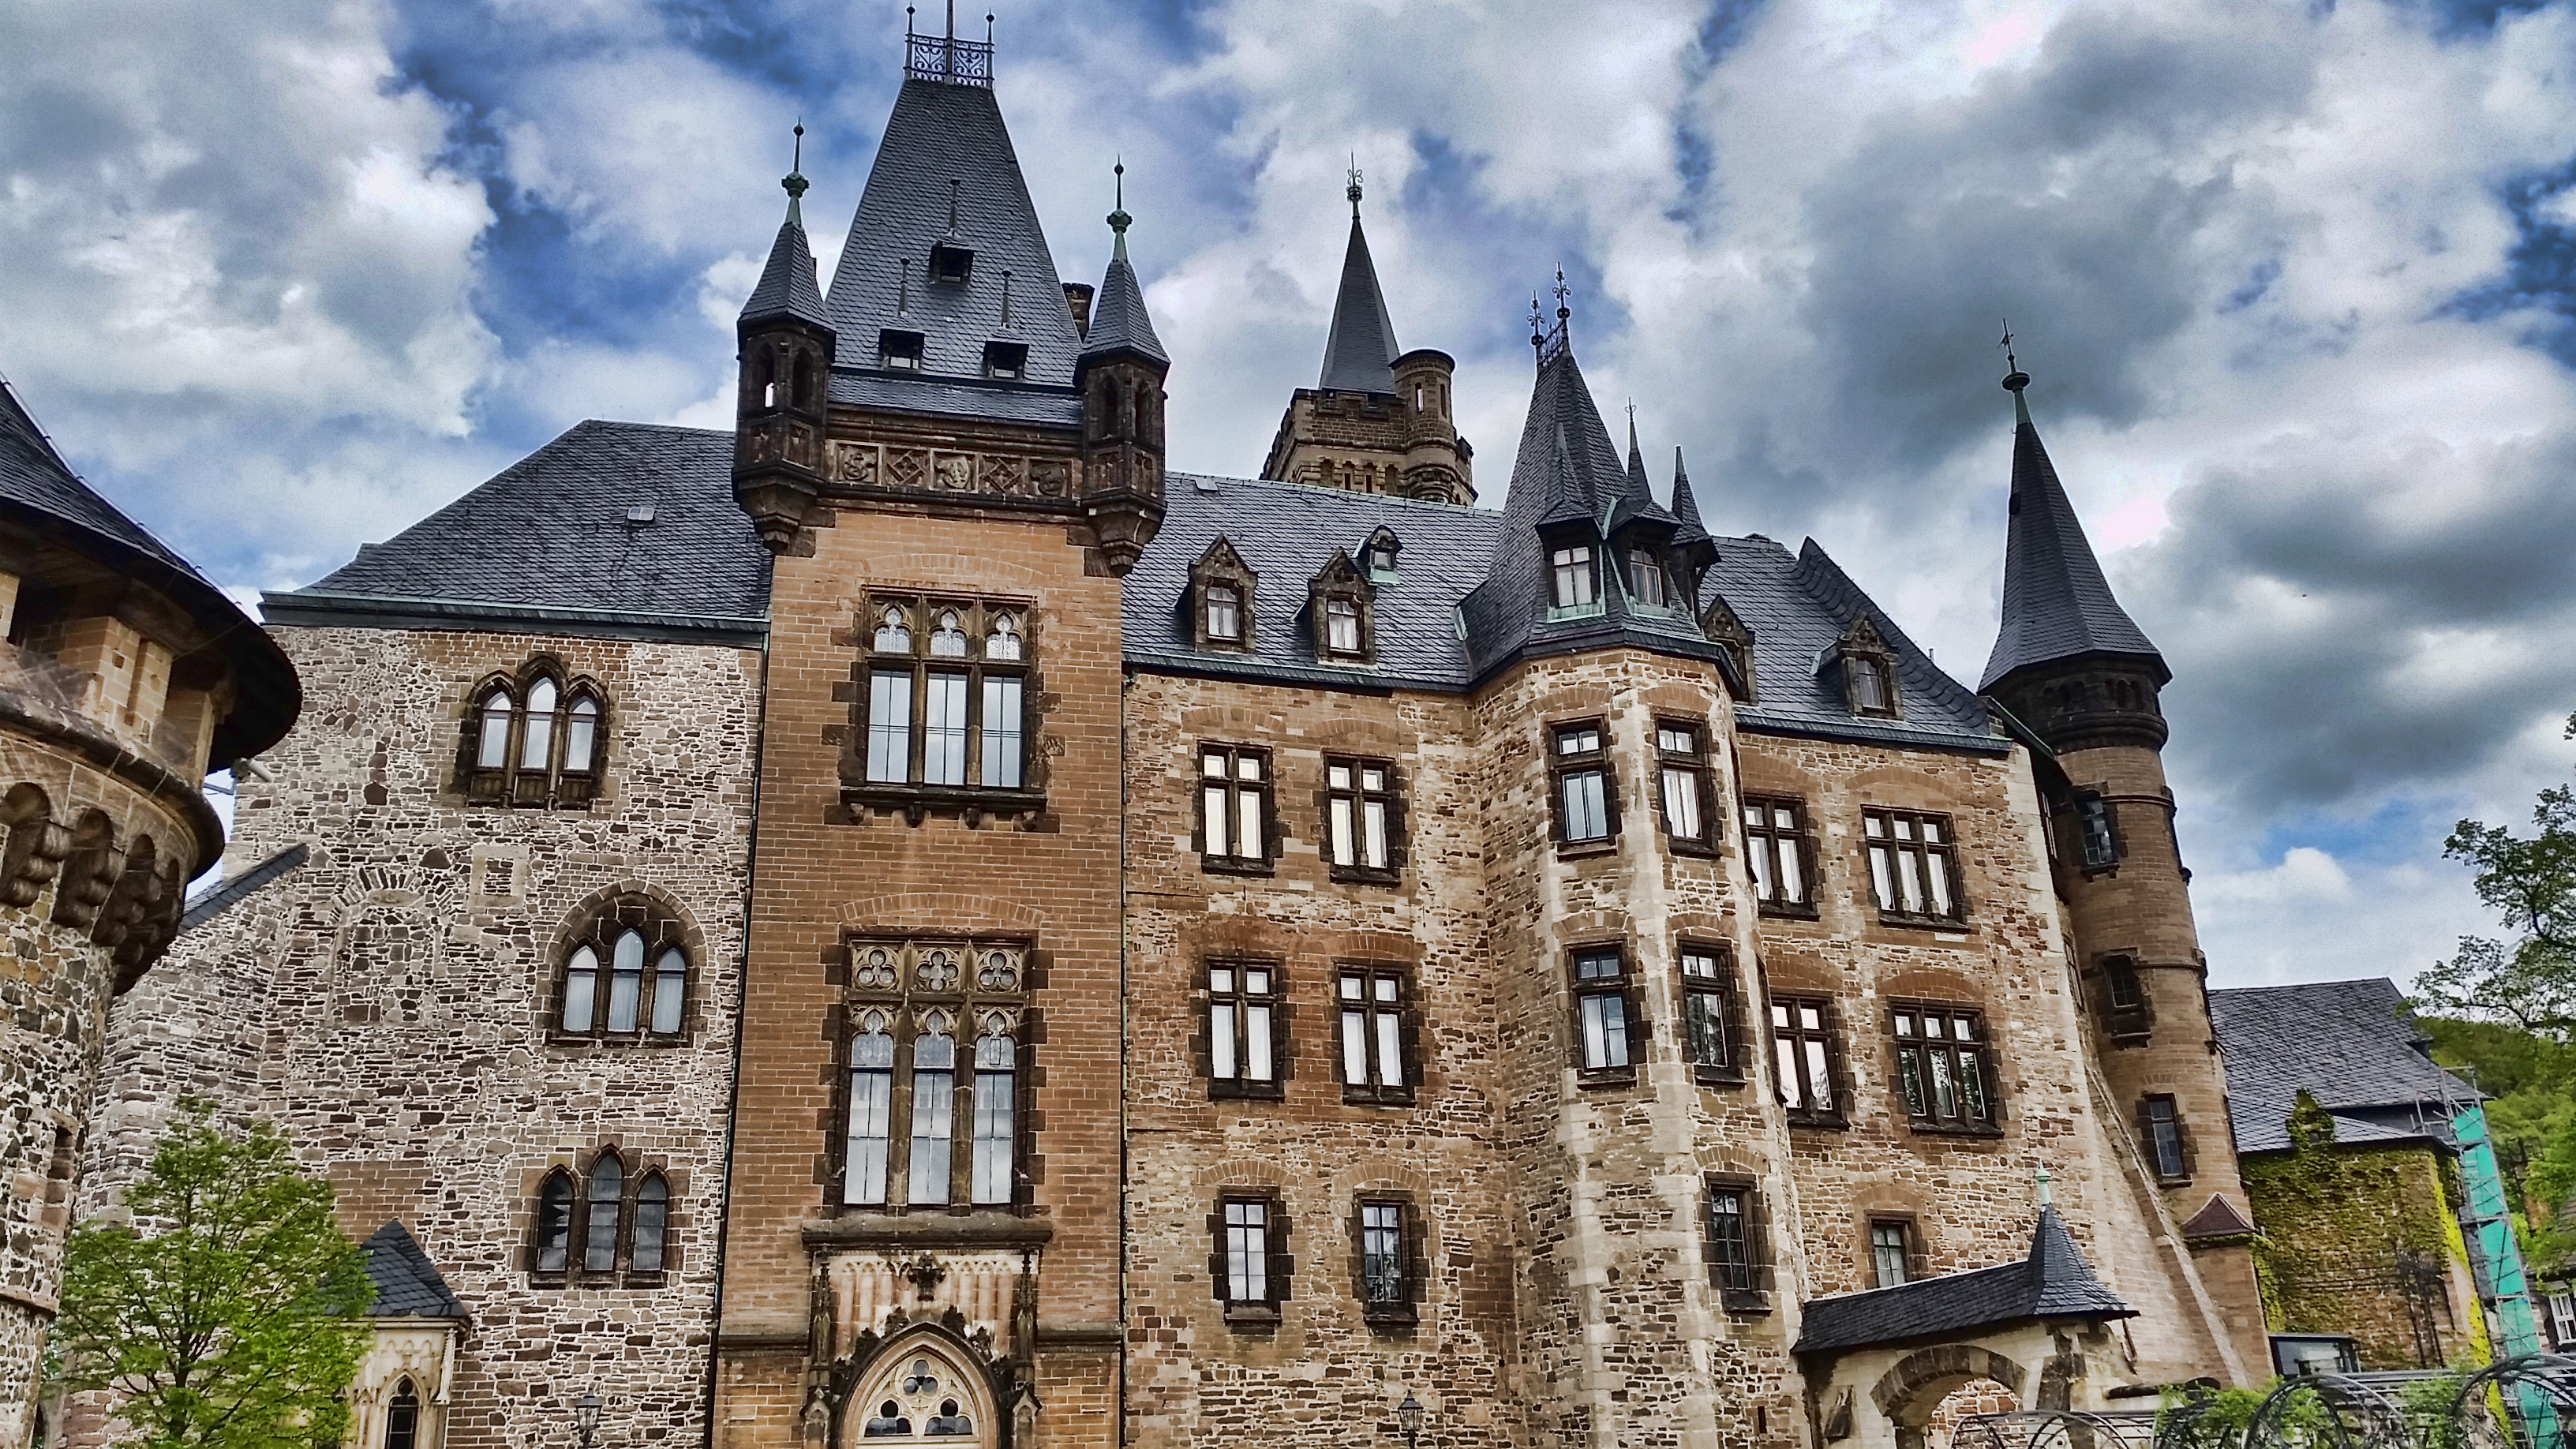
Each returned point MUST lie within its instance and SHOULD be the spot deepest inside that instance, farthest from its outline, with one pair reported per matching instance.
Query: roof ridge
(1440, 504)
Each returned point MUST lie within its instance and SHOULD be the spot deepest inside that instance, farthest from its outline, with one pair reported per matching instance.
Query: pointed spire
(1119, 220)
(2062, 1284)
(1119, 321)
(1360, 352)
(1685, 506)
(787, 286)
(2057, 604)
(1636, 495)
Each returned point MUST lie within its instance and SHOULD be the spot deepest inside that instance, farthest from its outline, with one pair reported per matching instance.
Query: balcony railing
(948, 60)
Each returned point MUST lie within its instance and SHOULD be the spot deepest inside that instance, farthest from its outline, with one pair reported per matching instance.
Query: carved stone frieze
(945, 470)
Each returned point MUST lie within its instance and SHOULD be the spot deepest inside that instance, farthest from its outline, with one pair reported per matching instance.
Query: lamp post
(585, 1417)
(1408, 1415)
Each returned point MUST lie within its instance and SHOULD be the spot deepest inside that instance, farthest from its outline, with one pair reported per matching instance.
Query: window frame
(1236, 788)
(1222, 566)
(1862, 648)
(1279, 1266)
(512, 782)
(1748, 1288)
(1694, 766)
(2128, 1023)
(916, 663)
(2095, 824)
(1564, 567)
(1909, 1245)
(1358, 796)
(1342, 582)
(636, 1170)
(1386, 1003)
(1242, 1085)
(1724, 984)
(1412, 1269)
(1563, 766)
(915, 992)
(2182, 1144)
(1641, 561)
(1917, 1049)
(661, 934)
(1768, 835)
(1886, 837)
(1620, 985)
(1827, 1033)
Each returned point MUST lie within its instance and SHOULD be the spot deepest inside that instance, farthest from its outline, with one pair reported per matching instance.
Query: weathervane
(2015, 379)
(795, 181)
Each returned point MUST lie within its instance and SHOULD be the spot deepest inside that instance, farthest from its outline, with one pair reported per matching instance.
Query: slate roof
(407, 1283)
(787, 286)
(2057, 605)
(621, 528)
(940, 134)
(2053, 1281)
(233, 892)
(1360, 351)
(2350, 1044)
(1119, 321)
(37, 486)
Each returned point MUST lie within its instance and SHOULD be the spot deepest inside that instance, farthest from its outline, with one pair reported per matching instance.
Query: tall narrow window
(551, 1233)
(581, 988)
(2101, 849)
(1602, 1018)
(1708, 1015)
(1371, 1002)
(943, 746)
(1803, 1047)
(1869, 689)
(996, 1063)
(1912, 870)
(402, 1418)
(1583, 794)
(1646, 579)
(536, 745)
(1570, 582)
(1359, 812)
(670, 990)
(1891, 1251)
(889, 727)
(1381, 1255)
(2164, 1139)
(1242, 1007)
(652, 1224)
(1731, 1251)
(492, 745)
(934, 1085)
(1247, 1251)
(607, 1195)
(1777, 853)
(863, 1178)
(1682, 753)
(1234, 806)
(625, 981)
(581, 735)
(1224, 613)
(1942, 1067)
(1002, 745)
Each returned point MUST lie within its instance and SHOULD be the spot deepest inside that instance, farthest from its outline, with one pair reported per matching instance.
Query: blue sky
(2297, 281)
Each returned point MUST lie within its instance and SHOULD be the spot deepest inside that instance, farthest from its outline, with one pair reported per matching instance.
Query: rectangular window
(1341, 626)
(1243, 1010)
(1733, 1247)
(889, 727)
(1708, 1014)
(1359, 818)
(2101, 849)
(1583, 790)
(2164, 1139)
(1646, 577)
(1247, 1251)
(1224, 604)
(1234, 806)
(1371, 1004)
(1942, 1068)
(951, 726)
(1382, 1255)
(1570, 577)
(934, 1108)
(1803, 1050)
(1912, 871)
(1001, 755)
(990, 1182)
(943, 742)
(863, 1180)
(1891, 1251)
(1777, 853)
(1683, 756)
(1601, 1007)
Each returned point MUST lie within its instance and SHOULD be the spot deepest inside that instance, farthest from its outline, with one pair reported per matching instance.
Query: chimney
(1077, 299)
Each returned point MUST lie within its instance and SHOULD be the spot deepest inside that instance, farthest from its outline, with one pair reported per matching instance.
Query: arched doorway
(1921, 1384)
(920, 1390)
(1975, 1396)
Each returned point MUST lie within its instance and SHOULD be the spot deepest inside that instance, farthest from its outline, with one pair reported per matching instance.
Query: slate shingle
(1360, 350)
(2350, 1044)
(2057, 605)
(2052, 1281)
(408, 1285)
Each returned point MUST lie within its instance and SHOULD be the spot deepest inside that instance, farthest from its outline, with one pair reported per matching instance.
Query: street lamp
(585, 1417)
(1409, 1415)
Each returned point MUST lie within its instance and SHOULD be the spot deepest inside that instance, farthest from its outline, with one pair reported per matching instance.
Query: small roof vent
(639, 513)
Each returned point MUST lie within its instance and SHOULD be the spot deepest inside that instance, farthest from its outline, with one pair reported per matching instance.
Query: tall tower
(1377, 420)
(2072, 666)
(786, 342)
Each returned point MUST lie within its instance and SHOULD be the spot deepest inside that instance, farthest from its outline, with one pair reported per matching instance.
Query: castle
(911, 921)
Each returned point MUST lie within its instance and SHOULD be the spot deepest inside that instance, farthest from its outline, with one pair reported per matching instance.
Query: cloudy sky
(2296, 281)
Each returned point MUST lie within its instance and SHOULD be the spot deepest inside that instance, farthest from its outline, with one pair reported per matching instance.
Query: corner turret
(1120, 375)
(786, 343)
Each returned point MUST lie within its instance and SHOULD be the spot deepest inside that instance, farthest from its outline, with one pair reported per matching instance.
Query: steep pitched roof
(1686, 506)
(2052, 1281)
(408, 1285)
(1636, 495)
(617, 528)
(38, 486)
(1360, 351)
(2350, 1044)
(947, 142)
(1119, 321)
(2057, 604)
(787, 286)
(241, 887)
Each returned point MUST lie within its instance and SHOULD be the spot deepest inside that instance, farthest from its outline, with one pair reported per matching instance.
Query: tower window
(1646, 579)
(1607, 1024)
(1737, 1264)
(2101, 849)
(1710, 1027)
(2164, 1139)
(1680, 746)
(1006, 361)
(951, 264)
(899, 351)
(1570, 581)
(1585, 796)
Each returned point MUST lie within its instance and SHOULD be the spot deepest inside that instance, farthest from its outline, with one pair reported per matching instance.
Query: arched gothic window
(948, 639)
(553, 1225)
(935, 1048)
(533, 741)
(996, 1063)
(871, 1111)
(1004, 640)
(923, 1391)
(402, 1417)
(934, 1110)
(642, 954)
(609, 1224)
(607, 1195)
(652, 1218)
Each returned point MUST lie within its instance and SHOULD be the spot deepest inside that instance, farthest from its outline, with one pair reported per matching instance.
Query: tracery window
(625, 977)
(923, 1394)
(533, 740)
(605, 1224)
(934, 1045)
(946, 698)
(402, 1417)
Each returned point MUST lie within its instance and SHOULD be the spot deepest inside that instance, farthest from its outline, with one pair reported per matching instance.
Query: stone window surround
(1359, 872)
(2183, 1145)
(1768, 835)
(597, 923)
(639, 1167)
(1266, 789)
(1754, 1295)
(1916, 1268)
(1340, 580)
(1945, 850)
(1698, 764)
(912, 796)
(1202, 1046)
(1627, 989)
(1408, 1012)
(1990, 1079)
(1220, 564)
(1560, 766)
(1861, 643)
(1280, 1267)
(904, 1002)
(1829, 1033)
(1728, 986)
(1412, 1255)
(512, 784)
(2115, 973)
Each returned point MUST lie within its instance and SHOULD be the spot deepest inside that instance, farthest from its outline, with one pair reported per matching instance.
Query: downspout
(1126, 682)
(741, 1000)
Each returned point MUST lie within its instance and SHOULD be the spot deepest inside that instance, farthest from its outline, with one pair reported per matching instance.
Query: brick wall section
(387, 1004)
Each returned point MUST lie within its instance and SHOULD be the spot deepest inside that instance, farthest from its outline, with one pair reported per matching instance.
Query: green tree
(238, 1319)
(2531, 881)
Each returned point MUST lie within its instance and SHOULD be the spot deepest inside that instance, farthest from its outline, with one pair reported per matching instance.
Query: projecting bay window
(1913, 868)
(1711, 1029)
(1244, 1029)
(931, 1109)
(1586, 795)
(1803, 1052)
(1234, 808)
(1777, 852)
(1609, 1030)
(1360, 820)
(1690, 816)
(944, 695)
(1944, 1068)
(1375, 1034)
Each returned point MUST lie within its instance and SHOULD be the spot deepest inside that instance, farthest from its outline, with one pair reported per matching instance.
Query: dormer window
(899, 351)
(1224, 613)
(1378, 555)
(951, 264)
(1719, 623)
(1006, 361)
(1646, 579)
(1570, 583)
(1341, 626)
(1869, 671)
(1869, 689)
(1340, 610)
(1220, 599)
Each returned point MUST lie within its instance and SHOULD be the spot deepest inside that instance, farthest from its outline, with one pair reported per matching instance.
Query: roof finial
(1562, 291)
(1353, 191)
(907, 22)
(952, 19)
(1119, 219)
(1632, 425)
(988, 27)
(794, 181)
(2040, 1182)
(2014, 378)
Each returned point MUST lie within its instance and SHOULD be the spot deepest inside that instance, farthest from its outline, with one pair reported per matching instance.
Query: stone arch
(656, 918)
(1912, 1390)
(932, 1385)
(941, 913)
